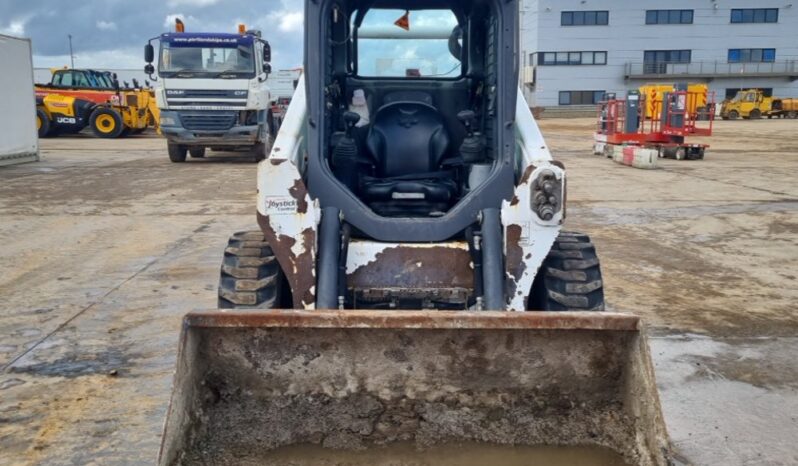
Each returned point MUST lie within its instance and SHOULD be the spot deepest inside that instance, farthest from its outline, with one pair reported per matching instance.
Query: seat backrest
(407, 138)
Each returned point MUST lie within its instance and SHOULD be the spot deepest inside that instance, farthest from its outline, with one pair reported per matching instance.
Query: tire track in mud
(173, 247)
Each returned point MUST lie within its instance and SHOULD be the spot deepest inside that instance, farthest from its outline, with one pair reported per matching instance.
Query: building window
(580, 97)
(669, 16)
(755, 15)
(585, 18)
(572, 58)
(657, 61)
(752, 55)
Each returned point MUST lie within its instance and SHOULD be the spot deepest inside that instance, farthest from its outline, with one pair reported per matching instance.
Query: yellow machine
(75, 99)
(654, 93)
(753, 104)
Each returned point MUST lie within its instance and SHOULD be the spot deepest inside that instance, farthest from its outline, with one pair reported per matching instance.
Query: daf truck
(212, 93)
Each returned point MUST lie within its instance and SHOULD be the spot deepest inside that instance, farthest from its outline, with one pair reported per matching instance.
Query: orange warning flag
(404, 21)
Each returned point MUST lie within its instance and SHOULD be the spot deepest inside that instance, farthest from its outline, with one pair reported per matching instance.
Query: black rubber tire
(261, 150)
(197, 152)
(177, 153)
(670, 152)
(755, 114)
(251, 277)
(734, 114)
(43, 123)
(570, 277)
(113, 130)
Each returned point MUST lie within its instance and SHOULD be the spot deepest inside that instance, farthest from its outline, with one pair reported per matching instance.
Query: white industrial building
(575, 50)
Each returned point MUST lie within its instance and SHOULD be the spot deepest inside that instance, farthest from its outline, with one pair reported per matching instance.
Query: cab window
(80, 80)
(414, 44)
(63, 78)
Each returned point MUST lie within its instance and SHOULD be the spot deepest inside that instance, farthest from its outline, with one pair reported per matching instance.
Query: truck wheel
(177, 153)
(106, 123)
(261, 150)
(793, 115)
(570, 277)
(734, 114)
(42, 123)
(755, 114)
(197, 152)
(251, 277)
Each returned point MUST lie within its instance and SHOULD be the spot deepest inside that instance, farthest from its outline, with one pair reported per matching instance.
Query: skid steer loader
(410, 282)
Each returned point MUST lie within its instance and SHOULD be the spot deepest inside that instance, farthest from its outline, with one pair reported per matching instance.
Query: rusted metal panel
(374, 265)
(415, 319)
(527, 237)
(286, 214)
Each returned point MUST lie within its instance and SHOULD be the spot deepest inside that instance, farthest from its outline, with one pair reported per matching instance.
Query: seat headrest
(407, 96)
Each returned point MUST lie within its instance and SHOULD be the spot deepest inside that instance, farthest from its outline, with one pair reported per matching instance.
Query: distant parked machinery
(754, 104)
(77, 98)
(660, 121)
(652, 95)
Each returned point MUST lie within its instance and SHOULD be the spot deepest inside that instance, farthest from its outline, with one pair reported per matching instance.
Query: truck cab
(212, 92)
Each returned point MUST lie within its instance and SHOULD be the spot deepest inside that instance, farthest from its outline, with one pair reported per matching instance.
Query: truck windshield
(414, 44)
(201, 61)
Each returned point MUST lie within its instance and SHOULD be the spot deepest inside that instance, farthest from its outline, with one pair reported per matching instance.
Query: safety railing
(712, 69)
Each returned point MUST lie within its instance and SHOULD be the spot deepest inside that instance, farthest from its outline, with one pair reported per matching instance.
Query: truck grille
(207, 93)
(208, 121)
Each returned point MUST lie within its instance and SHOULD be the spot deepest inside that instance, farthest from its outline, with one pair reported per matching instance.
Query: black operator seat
(409, 143)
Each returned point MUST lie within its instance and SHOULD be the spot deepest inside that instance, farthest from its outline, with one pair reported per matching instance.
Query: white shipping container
(19, 139)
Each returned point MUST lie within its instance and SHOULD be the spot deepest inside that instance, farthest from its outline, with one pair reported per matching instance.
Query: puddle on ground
(406, 454)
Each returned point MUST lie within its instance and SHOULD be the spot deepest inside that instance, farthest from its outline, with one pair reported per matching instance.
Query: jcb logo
(65, 120)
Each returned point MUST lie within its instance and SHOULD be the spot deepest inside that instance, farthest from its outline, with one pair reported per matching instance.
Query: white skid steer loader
(410, 281)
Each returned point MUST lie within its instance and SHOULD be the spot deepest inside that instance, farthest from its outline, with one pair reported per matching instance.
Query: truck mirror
(149, 53)
(267, 68)
(267, 52)
(149, 69)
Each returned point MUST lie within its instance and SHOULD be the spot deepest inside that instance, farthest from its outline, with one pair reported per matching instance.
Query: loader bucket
(249, 384)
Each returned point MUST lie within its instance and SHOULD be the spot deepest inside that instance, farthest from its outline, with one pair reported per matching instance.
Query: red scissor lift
(664, 129)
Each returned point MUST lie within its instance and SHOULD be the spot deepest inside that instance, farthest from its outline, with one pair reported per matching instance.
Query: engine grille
(208, 121)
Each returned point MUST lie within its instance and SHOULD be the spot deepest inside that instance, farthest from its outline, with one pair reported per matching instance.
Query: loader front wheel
(570, 277)
(42, 123)
(106, 123)
(251, 277)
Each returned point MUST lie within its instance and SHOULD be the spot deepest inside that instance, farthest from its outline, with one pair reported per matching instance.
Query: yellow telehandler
(77, 98)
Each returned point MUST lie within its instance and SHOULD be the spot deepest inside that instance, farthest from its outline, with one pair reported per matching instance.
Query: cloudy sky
(111, 33)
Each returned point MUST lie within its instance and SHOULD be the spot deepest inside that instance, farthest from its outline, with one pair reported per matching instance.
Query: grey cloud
(48, 22)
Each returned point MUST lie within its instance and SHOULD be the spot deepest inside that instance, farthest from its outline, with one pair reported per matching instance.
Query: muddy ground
(105, 244)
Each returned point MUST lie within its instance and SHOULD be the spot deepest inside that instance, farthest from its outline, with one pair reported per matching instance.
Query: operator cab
(410, 103)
